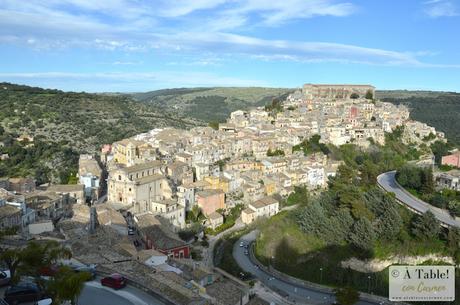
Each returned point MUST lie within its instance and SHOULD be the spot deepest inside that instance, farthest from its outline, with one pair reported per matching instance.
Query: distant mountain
(438, 109)
(64, 124)
(211, 104)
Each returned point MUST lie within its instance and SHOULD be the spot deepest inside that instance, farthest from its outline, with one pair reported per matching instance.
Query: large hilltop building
(325, 91)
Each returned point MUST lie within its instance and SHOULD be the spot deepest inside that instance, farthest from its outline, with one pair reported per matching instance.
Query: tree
(67, 285)
(388, 223)
(195, 214)
(276, 152)
(426, 226)
(369, 95)
(354, 96)
(453, 239)
(11, 258)
(346, 296)
(363, 235)
(427, 181)
(31, 260)
(341, 224)
(214, 125)
(300, 196)
(440, 149)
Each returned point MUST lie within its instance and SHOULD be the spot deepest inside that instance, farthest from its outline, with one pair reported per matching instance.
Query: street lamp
(321, 275)
(369, 284)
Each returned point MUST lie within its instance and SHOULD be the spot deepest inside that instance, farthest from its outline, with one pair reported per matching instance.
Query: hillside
(438, 109)
(64, 124)
(211, 104)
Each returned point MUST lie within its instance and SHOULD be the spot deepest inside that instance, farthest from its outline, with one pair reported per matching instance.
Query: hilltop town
(254, 160)
(135, 201)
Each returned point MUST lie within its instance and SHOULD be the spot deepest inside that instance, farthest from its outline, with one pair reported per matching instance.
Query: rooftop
(209, 193)
(215, 215)
(8, 210)
(148, 179)
(225, 292)
(65, 188)
(266, 201)
(142, 166)
(161, 237)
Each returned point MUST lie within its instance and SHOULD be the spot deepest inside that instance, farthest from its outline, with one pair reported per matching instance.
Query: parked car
(23, 292)
(241, 244)
(91, 269)
(246, 252)
(5, 277)
(44, 302)
(115, 281)
(130, 231)
(49, 270)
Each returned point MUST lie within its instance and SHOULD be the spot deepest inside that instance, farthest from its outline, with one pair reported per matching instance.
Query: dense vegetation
(419, 182)
(311, 145)
(438, 109)
(211, 104)
(353, 218)
(64, 124)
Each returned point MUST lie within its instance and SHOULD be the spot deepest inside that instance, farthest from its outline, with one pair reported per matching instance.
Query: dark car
(23, 292)
(5, 277)
(115, 281)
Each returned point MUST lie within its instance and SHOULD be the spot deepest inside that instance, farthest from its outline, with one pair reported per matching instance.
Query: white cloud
(140, 26)
(440, 8)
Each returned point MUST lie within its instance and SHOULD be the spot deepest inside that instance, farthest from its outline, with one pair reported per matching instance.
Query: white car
(49, 302)
(44, 302)
(241, 244)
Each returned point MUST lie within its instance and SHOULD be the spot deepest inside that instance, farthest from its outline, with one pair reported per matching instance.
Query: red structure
(452, 160)
(353, 112)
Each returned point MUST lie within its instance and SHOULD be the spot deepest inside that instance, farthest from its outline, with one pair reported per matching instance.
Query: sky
(140, 45)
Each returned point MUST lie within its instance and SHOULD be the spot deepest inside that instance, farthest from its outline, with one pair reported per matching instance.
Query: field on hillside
(211, 104)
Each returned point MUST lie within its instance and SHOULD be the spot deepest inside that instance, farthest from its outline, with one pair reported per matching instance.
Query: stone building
(336, 91)
(141, 183)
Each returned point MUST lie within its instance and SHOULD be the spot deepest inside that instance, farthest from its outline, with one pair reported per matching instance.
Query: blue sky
(139, 45)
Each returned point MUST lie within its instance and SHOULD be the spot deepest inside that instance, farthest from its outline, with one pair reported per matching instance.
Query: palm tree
(11, 258)
(67, 285)
(38, 256)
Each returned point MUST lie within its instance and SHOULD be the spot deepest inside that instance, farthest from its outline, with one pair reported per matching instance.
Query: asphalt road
(95, 294)
(299, 294)
(388, 182)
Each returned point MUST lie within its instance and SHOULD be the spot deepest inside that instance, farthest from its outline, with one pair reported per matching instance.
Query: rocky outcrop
(376, 265)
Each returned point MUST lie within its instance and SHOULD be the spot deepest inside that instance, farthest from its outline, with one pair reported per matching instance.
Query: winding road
(388, 182)
(292, 293)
